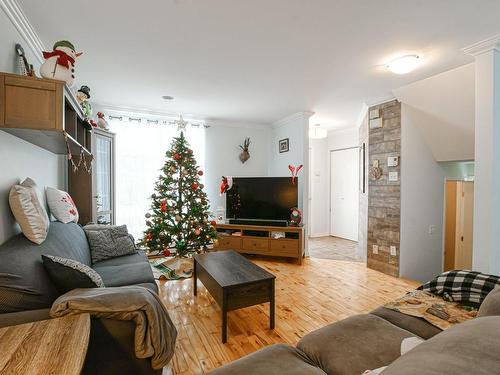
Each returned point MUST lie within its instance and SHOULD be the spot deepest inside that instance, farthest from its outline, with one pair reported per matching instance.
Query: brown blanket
(155, 334)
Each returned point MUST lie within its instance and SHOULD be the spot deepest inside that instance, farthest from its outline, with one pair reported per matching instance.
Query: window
(140, 154)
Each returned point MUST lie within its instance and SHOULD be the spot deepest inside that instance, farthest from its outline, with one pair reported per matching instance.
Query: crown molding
(16, 15)
(304, 115)
(489, 44)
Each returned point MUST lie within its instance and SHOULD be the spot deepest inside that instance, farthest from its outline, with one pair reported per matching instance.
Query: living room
(249, 187)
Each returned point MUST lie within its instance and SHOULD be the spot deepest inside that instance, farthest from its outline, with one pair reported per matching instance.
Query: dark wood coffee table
(234, 282)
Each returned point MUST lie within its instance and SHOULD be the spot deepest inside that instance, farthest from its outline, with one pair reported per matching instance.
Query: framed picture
(283, 145)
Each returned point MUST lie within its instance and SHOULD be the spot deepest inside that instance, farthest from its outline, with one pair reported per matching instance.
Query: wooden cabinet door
(32, 104)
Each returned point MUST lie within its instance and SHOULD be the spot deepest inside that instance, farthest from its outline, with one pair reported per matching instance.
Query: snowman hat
(64, 43)
(85, 90)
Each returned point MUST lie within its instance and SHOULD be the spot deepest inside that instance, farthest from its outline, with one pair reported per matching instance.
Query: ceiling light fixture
(167, 97)
(317, 132)
(404, 64)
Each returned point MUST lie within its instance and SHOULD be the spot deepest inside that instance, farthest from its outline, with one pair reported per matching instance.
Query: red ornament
(200, 173)
(149, 237)
(213, 222)
(194, 186)
(163, 206)
(166, 253)
(177, 156)
(197, 231)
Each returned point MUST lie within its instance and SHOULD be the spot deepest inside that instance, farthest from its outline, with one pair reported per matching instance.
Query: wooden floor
(336, 248)
(309, 296)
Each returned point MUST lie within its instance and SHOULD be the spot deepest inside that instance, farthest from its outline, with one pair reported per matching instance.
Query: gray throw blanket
(155, 334)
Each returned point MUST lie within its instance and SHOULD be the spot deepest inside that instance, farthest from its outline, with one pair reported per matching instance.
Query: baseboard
(313, 235)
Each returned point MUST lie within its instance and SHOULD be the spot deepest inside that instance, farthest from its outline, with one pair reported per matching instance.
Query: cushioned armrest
(21, 317)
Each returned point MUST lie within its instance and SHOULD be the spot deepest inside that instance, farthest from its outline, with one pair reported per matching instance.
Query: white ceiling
(258, 60)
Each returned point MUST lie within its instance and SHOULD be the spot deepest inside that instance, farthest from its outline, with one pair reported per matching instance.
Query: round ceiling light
(404, 64)
(317, 132)
(167, 97)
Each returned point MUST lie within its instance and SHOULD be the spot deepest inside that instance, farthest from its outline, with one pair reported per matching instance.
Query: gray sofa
(370, 341)
(27, 293)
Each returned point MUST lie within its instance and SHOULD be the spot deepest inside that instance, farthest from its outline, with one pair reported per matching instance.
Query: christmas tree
(179, 215)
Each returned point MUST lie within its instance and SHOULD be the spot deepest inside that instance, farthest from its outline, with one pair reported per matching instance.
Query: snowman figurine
(60, 63)
(83, 98)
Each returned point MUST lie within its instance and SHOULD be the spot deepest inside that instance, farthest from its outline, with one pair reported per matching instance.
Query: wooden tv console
(258, 239)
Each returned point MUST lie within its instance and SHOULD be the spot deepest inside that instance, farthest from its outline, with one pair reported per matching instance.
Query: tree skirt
(171, 268)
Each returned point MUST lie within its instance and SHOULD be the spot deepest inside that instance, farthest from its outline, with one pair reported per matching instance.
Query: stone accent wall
(384, 196)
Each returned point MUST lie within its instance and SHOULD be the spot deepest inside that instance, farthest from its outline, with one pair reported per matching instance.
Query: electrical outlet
(393, 251)
(393, 176)
(375, 249)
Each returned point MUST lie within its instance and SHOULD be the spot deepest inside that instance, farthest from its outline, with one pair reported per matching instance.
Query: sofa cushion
(108, 241)
(354, 345)
(471, 347)
(491, 304)
(24, 283)
(68, 274)
(277, 359)
(125, 274)
(138, 257)
(417, 326)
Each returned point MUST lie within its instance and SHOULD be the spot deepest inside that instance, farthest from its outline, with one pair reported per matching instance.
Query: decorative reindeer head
(245, 154)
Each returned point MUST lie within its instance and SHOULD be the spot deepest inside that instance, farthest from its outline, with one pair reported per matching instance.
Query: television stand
(261, 240)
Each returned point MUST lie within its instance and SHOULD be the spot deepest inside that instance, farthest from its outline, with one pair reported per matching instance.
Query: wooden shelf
(43, 112)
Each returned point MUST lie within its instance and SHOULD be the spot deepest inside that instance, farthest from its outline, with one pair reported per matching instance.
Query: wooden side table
(55, 346)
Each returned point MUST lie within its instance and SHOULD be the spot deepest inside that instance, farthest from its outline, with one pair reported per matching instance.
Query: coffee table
(234, 282)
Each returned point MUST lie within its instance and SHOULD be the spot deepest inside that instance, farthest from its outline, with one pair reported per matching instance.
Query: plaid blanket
(462, 286)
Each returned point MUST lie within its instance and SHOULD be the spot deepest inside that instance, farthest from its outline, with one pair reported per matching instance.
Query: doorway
(459, 212)
(344, 193)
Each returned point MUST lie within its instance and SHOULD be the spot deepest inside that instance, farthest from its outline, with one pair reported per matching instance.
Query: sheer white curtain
(140, 154)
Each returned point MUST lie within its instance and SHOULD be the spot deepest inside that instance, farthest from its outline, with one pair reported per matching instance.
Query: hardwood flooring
(330, 247)
(308, 297)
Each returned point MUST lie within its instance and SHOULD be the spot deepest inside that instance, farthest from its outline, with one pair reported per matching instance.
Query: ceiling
(260, 60)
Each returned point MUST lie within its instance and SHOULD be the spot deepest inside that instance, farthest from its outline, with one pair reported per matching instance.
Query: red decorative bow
(63, 58)
(295, 172)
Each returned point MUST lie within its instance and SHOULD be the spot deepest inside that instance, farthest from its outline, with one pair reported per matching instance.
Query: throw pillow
(28, 210)
(491, 304)
(68, 274)
(108, 241)
(61, 205)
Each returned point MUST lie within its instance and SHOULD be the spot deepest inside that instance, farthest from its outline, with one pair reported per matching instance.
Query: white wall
(343, 138)
(319, 185)
(19, 159)
(422, 200)
(222, 156)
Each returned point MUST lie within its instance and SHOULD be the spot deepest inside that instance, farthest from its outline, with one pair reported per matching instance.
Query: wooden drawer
(259, 245)
(285, 247)
(229, 242)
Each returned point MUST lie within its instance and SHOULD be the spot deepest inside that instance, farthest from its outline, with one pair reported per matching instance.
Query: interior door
(104, 192)
(344, 193)
(465, 213)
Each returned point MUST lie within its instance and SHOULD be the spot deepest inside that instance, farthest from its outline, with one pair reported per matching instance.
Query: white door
(344, 194)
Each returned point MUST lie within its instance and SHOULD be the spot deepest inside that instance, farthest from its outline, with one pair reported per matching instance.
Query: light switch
(375, 249)
(392, 161)
(393, 176)
(432, 229)
(393, 251)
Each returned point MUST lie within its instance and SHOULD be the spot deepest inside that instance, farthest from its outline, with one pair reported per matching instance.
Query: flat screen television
(261, 198)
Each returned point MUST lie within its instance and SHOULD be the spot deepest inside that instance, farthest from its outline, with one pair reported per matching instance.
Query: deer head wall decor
(245, 154)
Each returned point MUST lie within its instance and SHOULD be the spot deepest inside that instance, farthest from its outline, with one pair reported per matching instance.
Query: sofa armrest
(21, 317)
(417, 326)
(111, 350)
